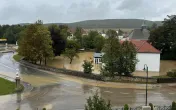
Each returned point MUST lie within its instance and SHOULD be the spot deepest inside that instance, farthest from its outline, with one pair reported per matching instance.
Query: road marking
(124, 93)
(108, 91)
(171, 93)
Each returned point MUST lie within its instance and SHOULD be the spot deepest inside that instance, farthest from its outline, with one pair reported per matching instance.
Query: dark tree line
(11, 32)
(164, 38)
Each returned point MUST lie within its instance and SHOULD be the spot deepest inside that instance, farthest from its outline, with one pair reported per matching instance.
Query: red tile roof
(143, 46)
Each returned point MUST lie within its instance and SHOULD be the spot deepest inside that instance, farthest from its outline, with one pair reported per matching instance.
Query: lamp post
(17, 80)
(146, 69)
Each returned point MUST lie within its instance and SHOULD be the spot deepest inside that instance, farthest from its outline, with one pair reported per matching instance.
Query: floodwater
(63, 92)
(61, 62)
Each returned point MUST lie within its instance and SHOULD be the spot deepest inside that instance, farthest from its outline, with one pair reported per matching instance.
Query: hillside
(110, 23)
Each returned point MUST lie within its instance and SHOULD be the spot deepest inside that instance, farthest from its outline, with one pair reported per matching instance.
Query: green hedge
(172, 73)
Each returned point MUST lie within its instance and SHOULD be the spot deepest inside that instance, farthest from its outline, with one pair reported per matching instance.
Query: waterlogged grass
(6, 87)
(17, 57)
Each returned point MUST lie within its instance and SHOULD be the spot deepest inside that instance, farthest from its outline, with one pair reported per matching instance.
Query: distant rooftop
(143, 46)
(97, 55)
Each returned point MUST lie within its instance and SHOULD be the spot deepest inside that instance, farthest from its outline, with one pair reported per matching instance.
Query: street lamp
(146, 69)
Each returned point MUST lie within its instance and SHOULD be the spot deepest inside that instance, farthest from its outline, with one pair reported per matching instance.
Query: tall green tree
(71, 50)
(164, 39)
(35, 43)
(127, 59)
(99, 43)
(78, 36)
(58, 36)
(72, 44)
(70, 53)
(118, 58)
(111, 52)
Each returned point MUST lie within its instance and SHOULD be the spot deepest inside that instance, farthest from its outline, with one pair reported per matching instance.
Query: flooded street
(63, 92)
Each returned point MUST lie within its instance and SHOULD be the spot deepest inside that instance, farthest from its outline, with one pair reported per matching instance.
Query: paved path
(62, 92)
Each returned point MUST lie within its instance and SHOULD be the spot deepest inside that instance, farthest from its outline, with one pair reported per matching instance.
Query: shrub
(97, 103)
(151, 105)
(126, 107)
(172, 73)
(173, 105)
(87, 65)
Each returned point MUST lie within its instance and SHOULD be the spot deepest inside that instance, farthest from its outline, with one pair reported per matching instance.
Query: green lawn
(17, 57)
(6, 87)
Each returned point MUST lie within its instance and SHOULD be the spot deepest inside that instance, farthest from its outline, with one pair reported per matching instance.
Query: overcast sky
(27, 11)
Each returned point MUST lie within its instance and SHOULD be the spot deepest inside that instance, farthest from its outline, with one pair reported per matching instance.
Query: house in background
(140, 34)
(72, 31)
(98, 58)
(147, 54)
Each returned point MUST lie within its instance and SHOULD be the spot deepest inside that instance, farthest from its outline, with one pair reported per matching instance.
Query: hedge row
(99, 77)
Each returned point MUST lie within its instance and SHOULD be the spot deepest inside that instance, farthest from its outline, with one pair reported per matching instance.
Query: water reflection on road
(56, 93)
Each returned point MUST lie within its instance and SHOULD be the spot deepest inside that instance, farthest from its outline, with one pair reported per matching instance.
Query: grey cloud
(130, 4)
(17, 11)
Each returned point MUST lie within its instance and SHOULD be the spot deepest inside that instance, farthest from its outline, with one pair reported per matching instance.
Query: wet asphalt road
(53, 92)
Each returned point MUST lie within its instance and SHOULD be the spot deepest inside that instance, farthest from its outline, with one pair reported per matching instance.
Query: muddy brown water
(60, 92)
(61, 62)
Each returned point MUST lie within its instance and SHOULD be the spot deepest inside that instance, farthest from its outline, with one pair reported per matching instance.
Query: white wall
(151, 59)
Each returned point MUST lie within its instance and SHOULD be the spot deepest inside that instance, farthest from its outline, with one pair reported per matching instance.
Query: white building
(147, 54)
(97, 58)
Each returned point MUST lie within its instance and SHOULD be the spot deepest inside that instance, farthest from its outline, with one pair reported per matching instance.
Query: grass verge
(7, 87)
(17, 57)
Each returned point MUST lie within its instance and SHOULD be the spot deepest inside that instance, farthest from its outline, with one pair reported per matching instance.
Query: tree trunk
(40, 61)
(71, 60)
(45, 61)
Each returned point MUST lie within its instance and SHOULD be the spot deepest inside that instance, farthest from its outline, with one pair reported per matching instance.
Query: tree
(127, 59)
(97, 103)
(78, 36)
(72, 44)
(173, 105)
(87, 65)
(89, 40)
(126, 107)
(118, 58)
(99, 43)
(164, 39)
(58, 36)
(35, 43)
(70, 53)
(111, 52)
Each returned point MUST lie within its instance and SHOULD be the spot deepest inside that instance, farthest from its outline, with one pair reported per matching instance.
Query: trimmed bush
(87, 67)
(173, 105)
(97, 103)
(172, 73)
(44, 108)
(151, 105)
(126, 107)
